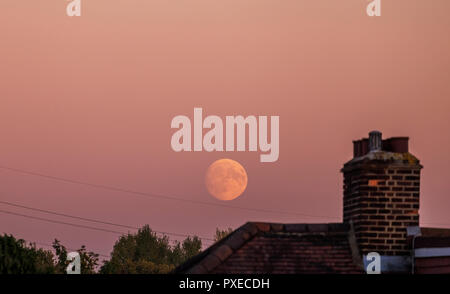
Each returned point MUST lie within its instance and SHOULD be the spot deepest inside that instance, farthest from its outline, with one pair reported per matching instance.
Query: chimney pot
(375, 141)
(397, 144)
(357, 148)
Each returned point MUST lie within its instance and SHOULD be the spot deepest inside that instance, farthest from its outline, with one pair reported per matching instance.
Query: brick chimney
(381, 193)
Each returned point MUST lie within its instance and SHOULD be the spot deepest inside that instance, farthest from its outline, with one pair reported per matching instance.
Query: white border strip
(432, 252)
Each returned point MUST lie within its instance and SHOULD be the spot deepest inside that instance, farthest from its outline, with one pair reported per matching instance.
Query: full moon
(226, 179)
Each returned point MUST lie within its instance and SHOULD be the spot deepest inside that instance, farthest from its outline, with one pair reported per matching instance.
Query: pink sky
(91, 99)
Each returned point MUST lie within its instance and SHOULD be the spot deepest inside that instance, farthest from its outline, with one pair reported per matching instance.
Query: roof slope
(280, 249)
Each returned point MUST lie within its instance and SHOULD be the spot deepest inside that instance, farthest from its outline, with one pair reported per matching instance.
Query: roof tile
(318, 227)
(196, 269)
(223, 252)
(265, 227)
(210, 262)
(236, 240)
(251, 228)
(277, 227)
(279, 248)
(296, 227)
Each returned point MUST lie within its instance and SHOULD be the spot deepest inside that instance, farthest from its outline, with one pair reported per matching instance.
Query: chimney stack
(381, 193)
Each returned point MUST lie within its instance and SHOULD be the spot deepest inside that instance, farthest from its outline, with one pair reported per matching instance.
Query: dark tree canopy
(18, 258)
(147, 253)
(139, 253)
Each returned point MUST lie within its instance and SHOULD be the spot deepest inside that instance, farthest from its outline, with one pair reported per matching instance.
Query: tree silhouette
(140, 253)
(18, 258)
(147, 253)
(220, 234)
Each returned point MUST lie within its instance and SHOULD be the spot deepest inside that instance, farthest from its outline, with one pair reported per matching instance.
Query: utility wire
(152, 195)
(94, 220)
(160, 196)
(74, 225)
(62, 223)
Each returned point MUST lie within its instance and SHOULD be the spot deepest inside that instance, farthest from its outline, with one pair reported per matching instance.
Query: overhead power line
(67, 215)
(71, 224)
(159, 196)
(94, 220)
(105, 187)
(62, 223)
(77, 225)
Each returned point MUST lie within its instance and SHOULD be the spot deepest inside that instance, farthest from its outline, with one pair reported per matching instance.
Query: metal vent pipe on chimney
(375, 141)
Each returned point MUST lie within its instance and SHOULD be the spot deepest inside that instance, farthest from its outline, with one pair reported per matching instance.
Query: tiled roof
(280, 248)
(434, 247)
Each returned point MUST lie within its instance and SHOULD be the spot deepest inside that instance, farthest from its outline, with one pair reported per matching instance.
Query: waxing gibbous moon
(226, 179)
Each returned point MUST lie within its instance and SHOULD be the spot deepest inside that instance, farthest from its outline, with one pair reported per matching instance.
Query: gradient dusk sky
(91, 99)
